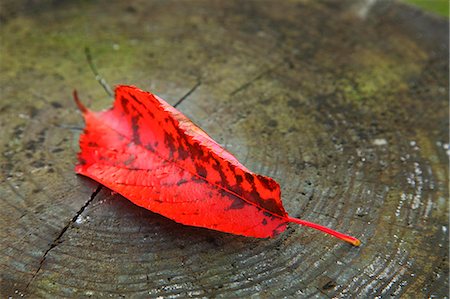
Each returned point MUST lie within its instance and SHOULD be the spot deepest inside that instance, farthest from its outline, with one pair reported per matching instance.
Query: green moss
(375, 73)
(440, 7)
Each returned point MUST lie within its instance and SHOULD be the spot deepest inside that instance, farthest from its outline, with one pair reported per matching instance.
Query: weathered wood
(345, 104)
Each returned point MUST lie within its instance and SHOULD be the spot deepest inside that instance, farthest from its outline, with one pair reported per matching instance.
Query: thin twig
(99, 78)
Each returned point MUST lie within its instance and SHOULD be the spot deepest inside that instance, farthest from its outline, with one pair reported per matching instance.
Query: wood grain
(344, 103)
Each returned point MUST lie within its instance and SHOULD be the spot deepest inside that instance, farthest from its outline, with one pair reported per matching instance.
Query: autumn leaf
(149, 152)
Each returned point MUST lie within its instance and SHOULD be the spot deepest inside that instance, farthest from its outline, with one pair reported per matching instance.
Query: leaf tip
(352, 240)
(80, 105)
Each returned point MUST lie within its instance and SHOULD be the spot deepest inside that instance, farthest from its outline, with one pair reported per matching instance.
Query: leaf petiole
(352, 240)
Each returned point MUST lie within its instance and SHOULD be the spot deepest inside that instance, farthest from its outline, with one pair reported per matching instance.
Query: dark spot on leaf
(201, 171)
(181, 182)
(249, 178)
(239, 179)
(264, 222)
(268, 183)
(130, 160)
(182, 152)
(137, 101)
(237, 203)
(223, 178)
(278, 230)
(199, 180)
(255, 195)
(124, 103)
(202, 156)
(135, 128)
(174, 124)
(237, 189)
(170, 142)
(271, 205)
(267, 214)
(197, 153)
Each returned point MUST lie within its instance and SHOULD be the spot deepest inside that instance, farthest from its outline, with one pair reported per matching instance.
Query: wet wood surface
(343, 103)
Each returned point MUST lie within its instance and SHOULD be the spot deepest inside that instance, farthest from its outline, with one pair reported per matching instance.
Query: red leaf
(152, 154)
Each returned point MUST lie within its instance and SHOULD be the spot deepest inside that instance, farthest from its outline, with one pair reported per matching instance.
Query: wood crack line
(256, 78)
(56, 241)
(188, 93)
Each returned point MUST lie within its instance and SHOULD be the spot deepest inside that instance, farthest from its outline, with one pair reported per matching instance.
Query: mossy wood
(343, 103)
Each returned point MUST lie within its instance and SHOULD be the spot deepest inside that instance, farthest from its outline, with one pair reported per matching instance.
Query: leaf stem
(352, 240)
(80, 105)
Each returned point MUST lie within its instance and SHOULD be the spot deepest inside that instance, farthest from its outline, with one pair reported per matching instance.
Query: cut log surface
(344, 103)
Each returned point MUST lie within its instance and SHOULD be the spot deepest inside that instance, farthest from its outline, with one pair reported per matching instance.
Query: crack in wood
(110, 92)
(259, 76)
(188, 94)
(56, 241)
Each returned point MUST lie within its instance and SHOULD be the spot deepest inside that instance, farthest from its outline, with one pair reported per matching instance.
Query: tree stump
(344, 103)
